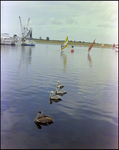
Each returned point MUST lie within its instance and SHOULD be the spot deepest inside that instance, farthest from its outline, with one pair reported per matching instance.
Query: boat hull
(6, 39)
(24, 44)
(28, 43)
(8, 42)
(5, 43)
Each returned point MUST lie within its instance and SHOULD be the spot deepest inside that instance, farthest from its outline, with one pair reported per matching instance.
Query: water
(87, 116)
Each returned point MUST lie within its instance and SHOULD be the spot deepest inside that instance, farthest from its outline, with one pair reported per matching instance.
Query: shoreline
(72, 43)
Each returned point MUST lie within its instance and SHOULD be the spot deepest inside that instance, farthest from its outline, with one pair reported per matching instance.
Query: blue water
(87, 116)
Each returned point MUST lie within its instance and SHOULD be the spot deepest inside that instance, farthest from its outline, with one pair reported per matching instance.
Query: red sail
(91, 45)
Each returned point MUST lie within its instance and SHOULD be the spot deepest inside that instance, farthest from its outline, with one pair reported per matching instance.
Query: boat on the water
(91, 46)
(6, 39)
(64, 45)
(26, 39)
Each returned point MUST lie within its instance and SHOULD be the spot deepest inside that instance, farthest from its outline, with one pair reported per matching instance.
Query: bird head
(40, 112)
(57, 86)
(51, 92)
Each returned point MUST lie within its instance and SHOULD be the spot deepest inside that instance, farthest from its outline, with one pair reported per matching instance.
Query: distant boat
(6, 39)
(65, 44)
(91, 45)
(114, 45)
(26, 35)
(72, 49)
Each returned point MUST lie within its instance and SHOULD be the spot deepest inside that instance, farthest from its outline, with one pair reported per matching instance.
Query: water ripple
(87, 114)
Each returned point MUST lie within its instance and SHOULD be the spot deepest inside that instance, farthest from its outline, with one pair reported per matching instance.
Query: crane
(21, 25)
(27, 23)
(24, 29)
(27, 27)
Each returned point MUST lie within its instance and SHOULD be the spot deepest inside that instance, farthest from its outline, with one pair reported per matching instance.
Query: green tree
(47, 38)
(14, 35)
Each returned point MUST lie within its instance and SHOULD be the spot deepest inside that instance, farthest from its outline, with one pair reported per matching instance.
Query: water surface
(87, 116)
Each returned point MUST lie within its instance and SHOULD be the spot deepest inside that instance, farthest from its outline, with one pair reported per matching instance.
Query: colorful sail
(114, 45)
(65, 44)
(91, 45)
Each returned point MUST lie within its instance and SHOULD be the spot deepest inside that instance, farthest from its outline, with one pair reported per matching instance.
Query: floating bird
(54, 97)
(60, 85)
(45, 120)
(60, 91)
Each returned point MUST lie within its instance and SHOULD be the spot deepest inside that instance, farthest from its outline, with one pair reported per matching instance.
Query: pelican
(55, 97)
(60, 85)
(60, 91)
(43, 119)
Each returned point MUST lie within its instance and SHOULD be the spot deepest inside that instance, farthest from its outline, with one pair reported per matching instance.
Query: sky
(79, 20)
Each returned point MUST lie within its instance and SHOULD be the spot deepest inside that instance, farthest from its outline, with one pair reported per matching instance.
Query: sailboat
(91, 45)
(65, 44)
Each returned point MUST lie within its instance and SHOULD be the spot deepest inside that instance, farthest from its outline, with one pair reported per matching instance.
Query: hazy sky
(79, 20)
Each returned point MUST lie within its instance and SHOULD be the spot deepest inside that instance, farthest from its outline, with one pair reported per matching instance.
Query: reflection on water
(54, 100)
(64, 56)
(89, 60)
(39, 125)
(26, 56)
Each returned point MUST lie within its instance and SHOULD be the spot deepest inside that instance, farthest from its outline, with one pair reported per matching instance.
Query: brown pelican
(60, 91)
(60, 85)
(55, 97)
(43, 119)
